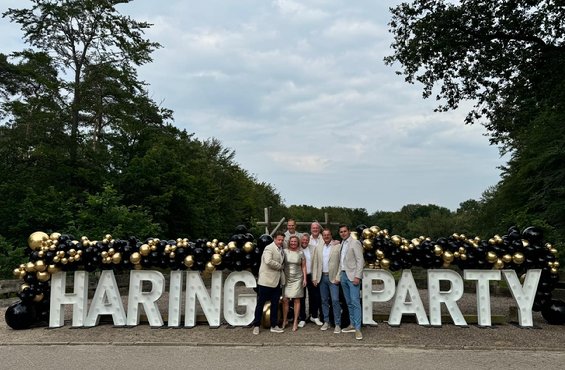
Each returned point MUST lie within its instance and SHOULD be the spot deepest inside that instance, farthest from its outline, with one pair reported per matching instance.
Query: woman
(295, 271)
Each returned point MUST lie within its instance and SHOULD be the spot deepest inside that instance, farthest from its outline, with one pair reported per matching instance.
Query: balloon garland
(49, 254)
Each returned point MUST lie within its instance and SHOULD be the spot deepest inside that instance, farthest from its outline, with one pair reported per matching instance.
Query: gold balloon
(35, 240)
(266, 317)
(506, 258)
(24, 287)
(553, 251)
(17, 272)
(43, 276)
(525, 243)
(492, 241)
(367, 234)
(232, 245)
(367, 243)
(104, 254)
(396, 240)
(463, 256)
(380, 254)
(52, 269)
(554, 270)
(135, 258)
(54, 236)
(216, 259)
(374, 230)
(448, 256)
(456, 254)
(518, 258)
(40, 266)
(144, 250)
(415, 242)
(64, 261)
(38, 297)
(556, 264)
(248, 247)
(438, 251)
(188, 261)
(354, 235)
(499, 264)
(385, 263)
(30, 267)
(462, 250)
(209, 267)
(116, 258)
(491, 257)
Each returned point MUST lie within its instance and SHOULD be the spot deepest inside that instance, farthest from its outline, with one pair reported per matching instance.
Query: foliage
(508, 57)
(88, 152)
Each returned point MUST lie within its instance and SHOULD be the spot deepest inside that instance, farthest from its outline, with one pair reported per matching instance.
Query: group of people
(316, 265)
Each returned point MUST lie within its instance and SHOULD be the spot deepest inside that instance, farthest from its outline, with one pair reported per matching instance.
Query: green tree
(507, 57)
(77, 35)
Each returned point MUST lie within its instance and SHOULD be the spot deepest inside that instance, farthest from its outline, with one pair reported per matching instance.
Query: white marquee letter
(449, 297)
(78, 299)
(370, 295)
(210, 303)
(175, 289)
(148, 299)
(483, 292)
(247, 300)
(106, 301)
(407, 286)
(524, 295)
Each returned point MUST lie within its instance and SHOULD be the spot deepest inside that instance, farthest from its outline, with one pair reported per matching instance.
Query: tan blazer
(317, 263)
(313, 248)
(271, 271)
(354, 261)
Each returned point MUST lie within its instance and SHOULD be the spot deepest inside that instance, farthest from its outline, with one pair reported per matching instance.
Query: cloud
(300, 91)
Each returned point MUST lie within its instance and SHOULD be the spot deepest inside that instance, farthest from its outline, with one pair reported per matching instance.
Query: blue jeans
(352, 297)
(329, 290)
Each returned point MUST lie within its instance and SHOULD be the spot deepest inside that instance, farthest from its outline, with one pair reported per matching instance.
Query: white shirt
(308, 257)
(326, 258)
(344, 248)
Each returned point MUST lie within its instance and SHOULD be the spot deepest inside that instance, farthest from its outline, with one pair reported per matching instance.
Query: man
(351, 270)
(271, 278)
(325, 274)
(314, 300)
(290, 231)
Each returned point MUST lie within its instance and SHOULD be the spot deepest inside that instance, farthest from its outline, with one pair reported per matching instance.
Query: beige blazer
(317, 263)
(271, 271)
(354, 261)
(312, 249)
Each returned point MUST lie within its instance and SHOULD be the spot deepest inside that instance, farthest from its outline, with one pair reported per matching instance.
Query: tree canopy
(508, 58)
(89, 152)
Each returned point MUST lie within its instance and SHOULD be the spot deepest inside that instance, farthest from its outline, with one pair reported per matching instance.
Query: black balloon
(264, 240)
(533, 234)
(554, 312)
(20, 315)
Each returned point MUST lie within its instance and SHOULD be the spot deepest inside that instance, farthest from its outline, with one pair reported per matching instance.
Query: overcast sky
(299, 90)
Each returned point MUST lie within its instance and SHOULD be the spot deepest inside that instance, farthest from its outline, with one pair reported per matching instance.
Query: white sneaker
(301, 324)
(349, 329)
(337, 329)
(316, 321)
(255, 330)
(276, 329)
(325, 326)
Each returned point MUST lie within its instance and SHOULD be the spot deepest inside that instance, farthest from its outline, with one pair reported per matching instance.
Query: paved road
(86, 357)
